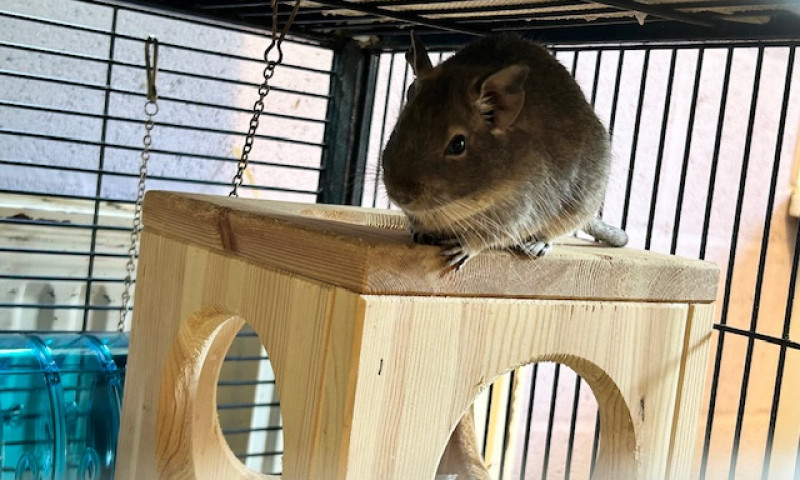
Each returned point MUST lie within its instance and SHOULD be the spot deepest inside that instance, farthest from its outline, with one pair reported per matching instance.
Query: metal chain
(263, 90)
(150, 110)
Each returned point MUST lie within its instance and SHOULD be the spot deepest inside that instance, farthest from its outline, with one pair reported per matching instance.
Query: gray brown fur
(519, 184)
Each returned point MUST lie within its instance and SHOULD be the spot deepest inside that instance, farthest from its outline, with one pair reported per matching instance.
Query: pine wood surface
(372, 385)
(369, 251)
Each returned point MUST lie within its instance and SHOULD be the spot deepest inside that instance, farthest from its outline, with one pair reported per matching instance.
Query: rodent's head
(450, 143)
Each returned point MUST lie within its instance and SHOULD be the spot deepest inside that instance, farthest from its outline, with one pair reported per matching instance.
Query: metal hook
(151, 69)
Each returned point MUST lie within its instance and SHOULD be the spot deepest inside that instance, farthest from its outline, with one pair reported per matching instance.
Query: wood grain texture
(184, 295)
(372, 385)
(438, 353)
(369, 251)
(688, 405)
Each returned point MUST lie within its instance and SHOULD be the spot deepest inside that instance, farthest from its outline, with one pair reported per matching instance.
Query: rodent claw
(536, 248)
(456, 257)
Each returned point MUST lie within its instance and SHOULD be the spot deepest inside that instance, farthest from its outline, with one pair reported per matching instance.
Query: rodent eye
(457, 145)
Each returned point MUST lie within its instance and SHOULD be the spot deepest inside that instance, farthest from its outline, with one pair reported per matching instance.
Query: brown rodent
(497, 148)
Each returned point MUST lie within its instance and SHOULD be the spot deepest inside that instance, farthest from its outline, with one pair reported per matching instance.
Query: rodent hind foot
(534, 248)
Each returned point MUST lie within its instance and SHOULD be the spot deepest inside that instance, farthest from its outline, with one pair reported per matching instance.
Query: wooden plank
(437, 353)
(687, 405)
(368, 251)
(189, 303)
(372, 385)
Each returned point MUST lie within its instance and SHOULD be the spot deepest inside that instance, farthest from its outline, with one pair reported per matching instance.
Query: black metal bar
(703, 242)
(615, 98)
(507, 423)
(57, 224)
(358, 170)
(723, 105)
(595, 443)
(405, 17)
(269, 453)
(352, 93)
(100, 166)
(154, 151)
(382, 137)
(50, 306)
(190, 181)
(596, 80)
(33, 251)
(191, 128)
(527, 438)
(243, 406)
(635, 141)
(676, 224)
(245, 358)
(121, 36)
(677, 45)
(166, 11)
(65, 196)
(731, 263)
(660, 155)
(782, 342)
(488, 419)
(51, 278)
(134, 93)
(787, 318)
(242, 383)
(572, 424)
(659, 11)
(247, 431)
(550, 421)
(180, 73)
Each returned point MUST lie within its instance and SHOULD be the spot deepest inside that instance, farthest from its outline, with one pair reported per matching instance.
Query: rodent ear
(417, 57)
(502, 96)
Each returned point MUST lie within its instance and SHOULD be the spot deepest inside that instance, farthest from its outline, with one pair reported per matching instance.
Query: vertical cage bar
(787, 82)
(528, 420)
(100, 167)
(703, 242)
(761, 261)
(615, 99)
(698, 71)
(550, 421)
(660, 155)
(382, 137)
(572, 424)
(596, 80)
(488, 419)
(635, 141)
(507, 426)
(346, 134)
(595, 443)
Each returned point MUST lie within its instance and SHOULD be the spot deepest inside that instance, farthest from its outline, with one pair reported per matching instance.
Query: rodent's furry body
(536, 158)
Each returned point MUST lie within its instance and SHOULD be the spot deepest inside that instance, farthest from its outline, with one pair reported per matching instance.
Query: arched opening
(248, 405)
(543, 420)
(189, 437)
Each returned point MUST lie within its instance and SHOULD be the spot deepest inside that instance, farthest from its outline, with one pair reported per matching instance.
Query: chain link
(150, 111)
(263, 90)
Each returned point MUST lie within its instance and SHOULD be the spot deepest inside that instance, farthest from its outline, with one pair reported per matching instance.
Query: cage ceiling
(385, 23)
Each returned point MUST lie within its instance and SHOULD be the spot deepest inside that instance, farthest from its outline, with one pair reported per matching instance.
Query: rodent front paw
(456, 257)
(535, 248)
